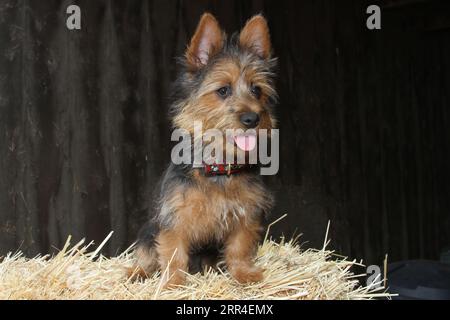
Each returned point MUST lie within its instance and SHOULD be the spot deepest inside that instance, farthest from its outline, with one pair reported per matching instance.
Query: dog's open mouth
(245, 142)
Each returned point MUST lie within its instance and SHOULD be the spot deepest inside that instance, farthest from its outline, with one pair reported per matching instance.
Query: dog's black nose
(250, 119)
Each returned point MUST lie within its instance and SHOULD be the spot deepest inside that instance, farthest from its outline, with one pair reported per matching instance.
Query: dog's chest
(215, 208)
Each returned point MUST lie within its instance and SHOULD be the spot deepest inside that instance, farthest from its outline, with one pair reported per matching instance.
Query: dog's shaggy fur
(199, 218)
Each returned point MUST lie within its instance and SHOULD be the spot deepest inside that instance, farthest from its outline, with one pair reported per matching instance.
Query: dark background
(364, 120)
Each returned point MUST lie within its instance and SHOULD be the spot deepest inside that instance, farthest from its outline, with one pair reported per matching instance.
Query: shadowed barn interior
(364, 120)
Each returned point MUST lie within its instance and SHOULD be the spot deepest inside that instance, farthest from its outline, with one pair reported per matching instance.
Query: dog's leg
(145, 253)
(146, 262)
(240, 249)
(173, 252)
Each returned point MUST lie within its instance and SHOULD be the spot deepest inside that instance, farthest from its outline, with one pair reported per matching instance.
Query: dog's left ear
(255, 37)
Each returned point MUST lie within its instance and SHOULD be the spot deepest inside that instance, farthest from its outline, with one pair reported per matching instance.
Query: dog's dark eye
(224, 92)
(256, 91)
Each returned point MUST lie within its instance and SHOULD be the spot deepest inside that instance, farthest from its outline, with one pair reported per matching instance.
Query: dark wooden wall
(365, 120)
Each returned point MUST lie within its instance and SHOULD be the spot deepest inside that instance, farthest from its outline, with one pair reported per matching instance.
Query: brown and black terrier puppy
(209, 211)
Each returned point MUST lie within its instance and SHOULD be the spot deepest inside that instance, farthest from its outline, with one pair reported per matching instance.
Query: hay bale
(76, 273)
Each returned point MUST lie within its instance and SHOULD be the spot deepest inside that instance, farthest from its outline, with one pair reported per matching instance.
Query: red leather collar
(224, 169)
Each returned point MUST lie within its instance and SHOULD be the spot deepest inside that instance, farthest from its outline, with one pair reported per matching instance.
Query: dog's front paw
(135, 273)
(247, 274)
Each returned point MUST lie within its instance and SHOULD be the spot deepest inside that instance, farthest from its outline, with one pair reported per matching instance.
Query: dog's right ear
(206, 42)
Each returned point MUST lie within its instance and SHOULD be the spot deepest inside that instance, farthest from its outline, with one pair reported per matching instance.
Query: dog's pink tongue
(246, 143)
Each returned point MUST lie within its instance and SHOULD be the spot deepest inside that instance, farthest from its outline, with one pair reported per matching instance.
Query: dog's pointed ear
(255, 36)
(206, 42)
